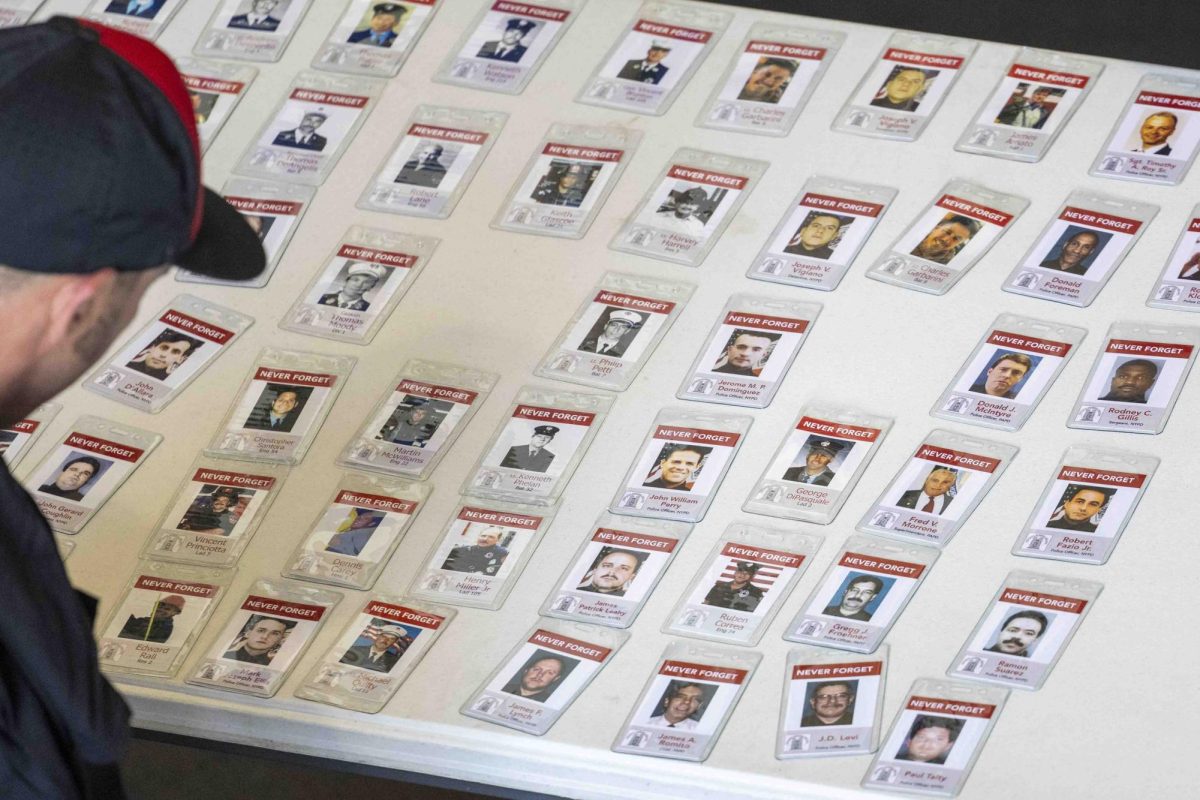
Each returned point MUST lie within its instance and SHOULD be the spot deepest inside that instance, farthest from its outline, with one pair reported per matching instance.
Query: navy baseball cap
(101, 160)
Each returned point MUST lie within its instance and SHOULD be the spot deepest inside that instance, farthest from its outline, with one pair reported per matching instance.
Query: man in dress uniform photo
(858, 594)
(304, 136)
(619, 331)
(277, 408)
(537, 681)
(163, 355)
(360, 279)
(816, 471)
(813, 237)
(380, 30)
(831, 703)
(1080, 505)
(677, 467)
(72, 482)
(738, 593)
(425, 168)
(1132, 381)
(258, 17)
(1019, 633)
(486, 555)
(649, 69)
(1004, 375)
(157, 627)
(259, 642)
(532, 457)
(382, 653)
(509, 47)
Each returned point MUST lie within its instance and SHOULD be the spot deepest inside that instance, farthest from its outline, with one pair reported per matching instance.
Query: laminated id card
(216, 511)
(358, 530)
(536, 450)
(681, 464)
(264, 638)
(215, 90)
(767, 84)
(615, 331)
(1081, 248)
(832, 703)
(418, 420)
(273, 210)
(615, 570)
(818, 464)
(17, 12)
(281, 405)
(310, 129)
(902, 90)
(1136, 378)
(746, 578)
(939, 487)
(1009, 372)
(687, 701)
(16, 440)
(509, 40)
(947, 238)
(481, 553)
(374, 38)
(821, 233)
(1030, 106)
(433, 161)
(692, 202)
(162, 610)
(1087, 504)
(1022, 634)
(749, 351)
(168, 353)
(543, 675)
(90, 463)
(936, 737)
(567, 180)
(1156, 138)
(862, 594)
(250, 30)
(144, 18)
(360, 285)
(1178, 287)
(376, 652)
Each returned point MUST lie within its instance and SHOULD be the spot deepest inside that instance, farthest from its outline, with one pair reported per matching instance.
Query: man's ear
(71, 302)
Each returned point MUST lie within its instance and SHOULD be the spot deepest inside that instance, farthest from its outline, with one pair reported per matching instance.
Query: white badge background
(563, 694)
(636, 44)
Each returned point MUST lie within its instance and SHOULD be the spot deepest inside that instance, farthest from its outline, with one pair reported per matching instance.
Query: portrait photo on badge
(1006, 374)
(818, 460)
(614, 572)
(216, 510)
(75, 475)
(829, 702)
(381, 645)
(858, 596)
(681, 704)
(904, 88)
(541, 674)
(687, 208)
(278, 408)
(677, 466)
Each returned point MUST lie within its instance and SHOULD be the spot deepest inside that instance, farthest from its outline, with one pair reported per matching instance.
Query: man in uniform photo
(568, 189)
(1155, 131)
(509, 46)
(1080, 505)
(1003, 376)
(619, 331)
(649, 69)
(679, 707)
(538, 680)
(259, 643)
(816, 471)
(746, 354)
(486, 555)
(1073, 253)
(813, 238)
(380, 30)
(930, 739)
(858, 594)
(831, 703)
(533, 457)
(164, 355)
(304, 136)
(425, 168)
(211, 513)
(947, 238)
(360, 279)
(738, 593)
(903, 89)
(258, 18)
(276, 410)
(677, 468)
(769, 80)
(382, 653)
(680, 215)
(1019, 633)
(613, 573)
(157, 627)
(72, 482)
(1132, 380)
(414, 428)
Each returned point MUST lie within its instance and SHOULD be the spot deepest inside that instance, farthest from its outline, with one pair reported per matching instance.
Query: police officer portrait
(677, 467)
(353, 286)
(380, 25)
(650, 68)
(483, 549)
(165, 353)
(414, 421)
(736, 588)
(614, 330)
(818, 460)
(263, 16)
(1080, 508)
(746, 353)
(428, 164)
(565, 183)
(516, 34)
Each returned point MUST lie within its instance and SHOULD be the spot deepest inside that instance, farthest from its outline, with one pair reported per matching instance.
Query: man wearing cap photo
(157, 627)
(509, 47)
(382, 653)
(738, 593)
(71, 277)
(410, 423)
(680, 212)
(533, 457)
(258, 16)
(381, 28)
(816, 471)
(617, 334)
(565, 184)
(360, 279)
(304, 136)
(648, 69)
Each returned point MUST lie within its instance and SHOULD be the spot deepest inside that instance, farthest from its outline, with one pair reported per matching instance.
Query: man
(351, 540)
(832, 703)
(212, 513)
(157, 627)
(816, 471)
(260, 642)
(1155, 131)
(1073, 253)
(382, 653)
(1026, 113)
(425, 168)
(648, 69)
(71, 276)
(414, 429)
(1132, 381)
(930, 740)
(275, 410)
(360, 279)
(568, 190)
(769, 80)
(509, 47)
(533, 457)
(619, 331)
(380, 31)
(947, 237)
(146, 9)
(485, 556)
(537, 681)
(613, 574)
(168, 350)
(682, 702)
(812, 240)
(304, 136)
(933, 497)
(901, 91)
(1003, 376)
(861, 590)
(1018, 633)
(75, 475)
(677, 467)
(1080, 506)
(258, 18)
(1191, 268)
(746, 353)
(680, 216)
(738, 594)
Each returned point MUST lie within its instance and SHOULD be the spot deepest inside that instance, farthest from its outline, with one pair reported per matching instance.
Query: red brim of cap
(225, 246)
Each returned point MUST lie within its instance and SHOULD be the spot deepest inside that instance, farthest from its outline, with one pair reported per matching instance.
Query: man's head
(77, 473)
(311, 121)
(542, 435)
(947, 237)
(747, 349)
(365, 518)
(384, 16)
(168, 351)
(818, 231)
(1157, 128)
(939, 481)
(1133, 379)
(169, 606)
(571, 177)
(362, 278)
(905, 84)
(679, 465)
(820, 453)
(615, 570)
(515, 30)
(744, 572)
(621, 322)
(1020, 631)
(222, 501)
(1006, 372)
(689, 202)
(542, 674)
(1077, 248)
(931, 738)
(769, 78)
(263, 6)
(417, 415)
(1041, 95)
(285, 402)
(831, 699)
(430, 154)
(264, 635)
(1081, 503)
(387, 637)
(488, 537)
(682, 701)
(861, 590)
(658, 51)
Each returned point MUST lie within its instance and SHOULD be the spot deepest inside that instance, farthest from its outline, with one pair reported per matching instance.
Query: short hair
(94, 463)
(1036, 616)
(1075, 488)
(287, 624)
(605, 552)
(1174, 118)
(733, 337)
(562, 664)
(1020, 358)
(973, 225)
(1141, 362)
(229, 493)
(679, 448)
(680, 686)
(952, 726)
(871, 579)
(782, 63)
(1092, 234)
(826, 684)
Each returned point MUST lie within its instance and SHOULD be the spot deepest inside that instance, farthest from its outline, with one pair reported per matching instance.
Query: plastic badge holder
(215, 90)
(749, 351)
(832, 703)
(1178, 287)
(281, 405)
(65, 545)
(1155, 139)
(507, 43)
(615, 331)
(687, 701)
(818, 464)
(948, 238)
(1086, 505)
(235, 30)
(1032, 103)
(90, 463)
(902, 90)
(543, 674)
(362, 42)
(1136, 379)
(769, 81)
(216, 511)
(534, 453)
(821, 234)
(692, 201)
(934, 494)
(862, 594)
(480, 555)
(161, 612)
(419, 419)
(681, 464)
(363, 280)
(433, 161)
(1009, 372)
(273, 210)
(1023, 633)
(264, 638)
(747, 576)
(355, 534)
(936, 737)
(567, 179)
(614, 571)
(17, 12)
(376, 653)
(16, 441)
(1081, 248)
(168, 353)
(144, 18)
